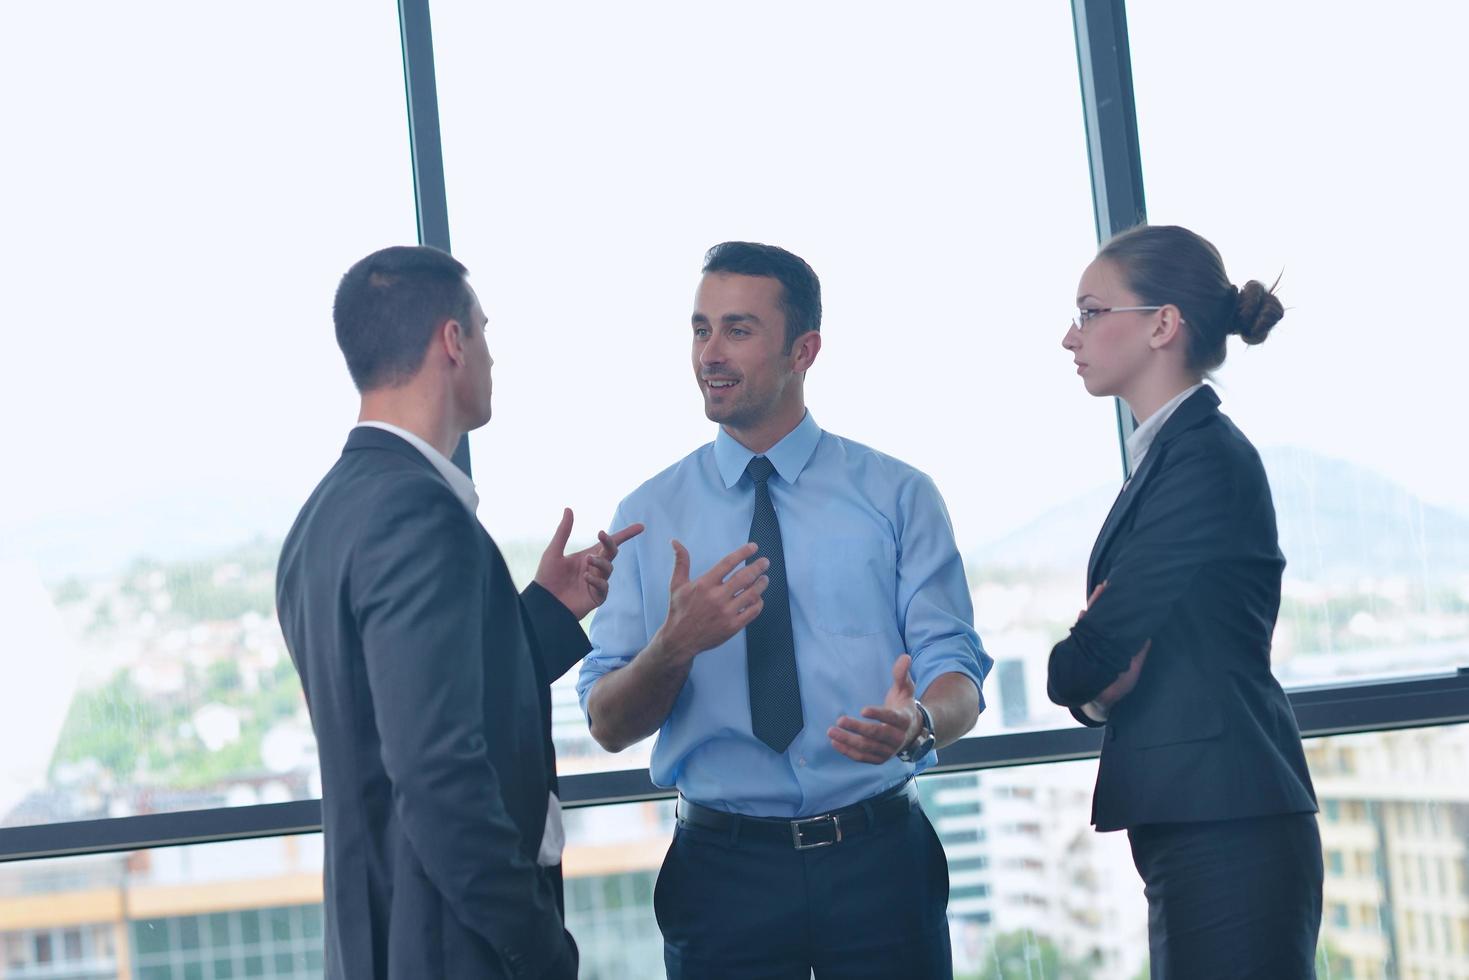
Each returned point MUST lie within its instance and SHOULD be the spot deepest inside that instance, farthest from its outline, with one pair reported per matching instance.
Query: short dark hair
(388, 306)
(800, 292)
(1166, 264)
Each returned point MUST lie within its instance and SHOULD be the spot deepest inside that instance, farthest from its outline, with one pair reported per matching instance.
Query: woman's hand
(1127, 680)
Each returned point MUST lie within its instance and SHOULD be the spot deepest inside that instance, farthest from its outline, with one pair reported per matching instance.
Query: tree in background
(1024, 955)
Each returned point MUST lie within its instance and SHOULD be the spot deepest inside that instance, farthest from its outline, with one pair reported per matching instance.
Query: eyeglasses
(1083, 317)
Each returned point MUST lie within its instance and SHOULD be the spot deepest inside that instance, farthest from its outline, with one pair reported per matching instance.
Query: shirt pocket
(853, 585)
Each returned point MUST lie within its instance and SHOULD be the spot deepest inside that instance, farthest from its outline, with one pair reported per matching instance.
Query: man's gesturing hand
(579, 580)
(708, 610)
(893, 725)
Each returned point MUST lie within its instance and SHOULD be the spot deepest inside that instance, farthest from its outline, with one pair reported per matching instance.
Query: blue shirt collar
(789, 456)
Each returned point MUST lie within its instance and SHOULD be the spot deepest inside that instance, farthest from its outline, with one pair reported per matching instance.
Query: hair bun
(1256, 310)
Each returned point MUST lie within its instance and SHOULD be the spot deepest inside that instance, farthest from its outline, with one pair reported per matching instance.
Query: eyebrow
(1085, 296)
(729, 318)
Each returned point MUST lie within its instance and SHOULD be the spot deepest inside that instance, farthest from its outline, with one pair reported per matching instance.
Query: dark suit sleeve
(417, 586)
(1085, 718)
(1187, 520)
(560, 641)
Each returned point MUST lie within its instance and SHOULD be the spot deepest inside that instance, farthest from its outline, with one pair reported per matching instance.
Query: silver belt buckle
(798, 833)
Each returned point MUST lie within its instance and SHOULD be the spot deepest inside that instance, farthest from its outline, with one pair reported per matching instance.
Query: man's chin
(714, 414)
(728, 419)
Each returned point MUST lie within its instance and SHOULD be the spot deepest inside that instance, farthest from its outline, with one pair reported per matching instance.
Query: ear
(804, 351)
(1168, 329)
(451, 338)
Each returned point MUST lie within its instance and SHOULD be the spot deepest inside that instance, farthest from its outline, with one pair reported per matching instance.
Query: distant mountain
(1059, 540)
(1339, 522)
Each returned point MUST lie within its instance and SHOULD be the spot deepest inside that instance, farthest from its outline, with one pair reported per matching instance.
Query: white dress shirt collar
(1142, 437)
(457, 479)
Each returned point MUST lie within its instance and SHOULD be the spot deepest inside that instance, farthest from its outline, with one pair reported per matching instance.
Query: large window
(932, 168)
(187, 182)
(1325, 150)
(184, 187)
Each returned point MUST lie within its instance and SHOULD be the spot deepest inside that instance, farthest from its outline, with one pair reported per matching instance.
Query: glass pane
(1395, 833)
(1033, 890)
(192, 193)
(1030, 881)
(932, 168)
(170, 912)
(247, 908)
(1347, 182)
(1033, 887)
(613, 854)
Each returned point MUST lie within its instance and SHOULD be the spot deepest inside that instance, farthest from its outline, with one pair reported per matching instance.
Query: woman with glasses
(1202, 761)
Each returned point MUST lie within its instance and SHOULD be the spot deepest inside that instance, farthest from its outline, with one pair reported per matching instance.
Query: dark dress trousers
(427, 680)
(1191, 561)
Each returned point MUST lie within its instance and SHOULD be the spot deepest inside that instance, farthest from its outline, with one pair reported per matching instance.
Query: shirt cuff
(929, 665)
(1094, 711)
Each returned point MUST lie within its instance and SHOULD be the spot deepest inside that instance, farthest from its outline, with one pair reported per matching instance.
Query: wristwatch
(922, 743)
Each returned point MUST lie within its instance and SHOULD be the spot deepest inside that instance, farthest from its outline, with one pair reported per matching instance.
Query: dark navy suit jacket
(1191, 561)
(427, 680)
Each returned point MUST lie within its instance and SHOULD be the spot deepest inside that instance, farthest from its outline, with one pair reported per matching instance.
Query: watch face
(919, 748)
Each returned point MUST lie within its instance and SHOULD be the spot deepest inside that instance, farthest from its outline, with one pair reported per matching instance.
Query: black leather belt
(804, 833)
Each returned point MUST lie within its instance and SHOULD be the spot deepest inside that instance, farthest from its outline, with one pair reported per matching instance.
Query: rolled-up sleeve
(619, 628)
(933, 592)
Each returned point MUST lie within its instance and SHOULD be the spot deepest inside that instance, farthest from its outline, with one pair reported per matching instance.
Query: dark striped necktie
(770, 657)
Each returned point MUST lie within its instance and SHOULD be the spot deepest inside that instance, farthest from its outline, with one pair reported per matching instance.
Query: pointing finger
(616, 539)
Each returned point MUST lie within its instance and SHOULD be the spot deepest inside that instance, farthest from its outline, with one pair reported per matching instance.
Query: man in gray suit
(425, 672)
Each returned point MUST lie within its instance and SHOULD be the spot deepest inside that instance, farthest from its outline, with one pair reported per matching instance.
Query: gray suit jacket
(427, 680)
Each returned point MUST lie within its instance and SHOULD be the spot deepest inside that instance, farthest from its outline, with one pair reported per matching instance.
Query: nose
(711, 352)
(1071, 339)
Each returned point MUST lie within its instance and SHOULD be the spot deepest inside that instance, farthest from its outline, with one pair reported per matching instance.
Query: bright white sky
(185, 184)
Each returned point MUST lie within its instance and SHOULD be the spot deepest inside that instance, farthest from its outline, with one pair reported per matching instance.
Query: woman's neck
(1146, 400)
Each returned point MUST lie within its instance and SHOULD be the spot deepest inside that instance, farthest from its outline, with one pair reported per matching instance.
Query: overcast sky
(186, 183)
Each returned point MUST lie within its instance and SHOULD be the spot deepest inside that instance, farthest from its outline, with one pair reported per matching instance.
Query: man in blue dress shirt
(795, 692)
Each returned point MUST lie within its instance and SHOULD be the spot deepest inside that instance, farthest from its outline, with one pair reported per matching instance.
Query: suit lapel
(1197, 407)
(1119, 510)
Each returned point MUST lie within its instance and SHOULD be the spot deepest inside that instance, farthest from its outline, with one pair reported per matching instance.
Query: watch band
(923, 742)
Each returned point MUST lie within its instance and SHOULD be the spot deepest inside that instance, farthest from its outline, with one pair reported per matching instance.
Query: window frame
(1110, 116)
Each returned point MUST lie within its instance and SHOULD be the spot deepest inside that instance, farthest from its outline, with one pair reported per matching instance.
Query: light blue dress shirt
(873, 573)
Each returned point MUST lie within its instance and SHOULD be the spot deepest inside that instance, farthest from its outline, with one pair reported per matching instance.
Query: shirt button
(801, 761)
